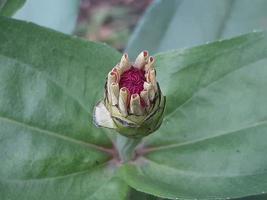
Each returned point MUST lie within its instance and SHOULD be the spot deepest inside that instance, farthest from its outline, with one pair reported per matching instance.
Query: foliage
(60, 15)
(211, 145)
(9, 7)
(177, 24)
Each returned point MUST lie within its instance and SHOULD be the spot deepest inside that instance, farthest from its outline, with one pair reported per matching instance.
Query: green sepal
(108, 116)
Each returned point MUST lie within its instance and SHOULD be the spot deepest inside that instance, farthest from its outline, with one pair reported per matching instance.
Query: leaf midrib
(225, 20)
(104, 164)
(209, 84)
(55, 135)
(27, 65)
(168, 25)
(201, 174)
(46, 75)
(229, 132)
(199, 89)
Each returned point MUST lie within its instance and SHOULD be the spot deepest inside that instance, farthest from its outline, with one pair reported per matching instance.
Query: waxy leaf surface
(49, 147)
(9, 7)
(212, 143)
(176, 24)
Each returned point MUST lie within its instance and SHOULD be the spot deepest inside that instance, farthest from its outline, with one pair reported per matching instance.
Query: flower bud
(133, 104)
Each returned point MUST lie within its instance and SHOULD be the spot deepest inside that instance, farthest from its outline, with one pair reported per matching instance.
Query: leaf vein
(56, 135)
(168, 146)
(201, 174)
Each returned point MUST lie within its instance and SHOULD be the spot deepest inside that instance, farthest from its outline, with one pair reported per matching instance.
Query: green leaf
(212, 143)
(135, 195)
(9, 7)
(49, 147)
(177, 24)
(60, 15)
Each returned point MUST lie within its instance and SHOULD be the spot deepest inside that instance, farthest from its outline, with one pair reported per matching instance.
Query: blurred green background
(154, 25)
(109, 21)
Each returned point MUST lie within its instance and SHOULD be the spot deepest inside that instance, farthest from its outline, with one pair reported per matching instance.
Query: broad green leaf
(136, 195)
(60, 15)
(49, 148)
(177, 24)
(212, 143)
(254, 197)
(9, 7)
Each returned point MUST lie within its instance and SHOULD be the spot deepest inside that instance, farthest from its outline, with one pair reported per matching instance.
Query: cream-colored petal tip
(101, 116)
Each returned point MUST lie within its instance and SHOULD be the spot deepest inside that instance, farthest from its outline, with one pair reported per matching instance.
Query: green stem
(126, 147)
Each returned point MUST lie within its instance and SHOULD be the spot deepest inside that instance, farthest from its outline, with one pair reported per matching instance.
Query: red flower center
(133, 79)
